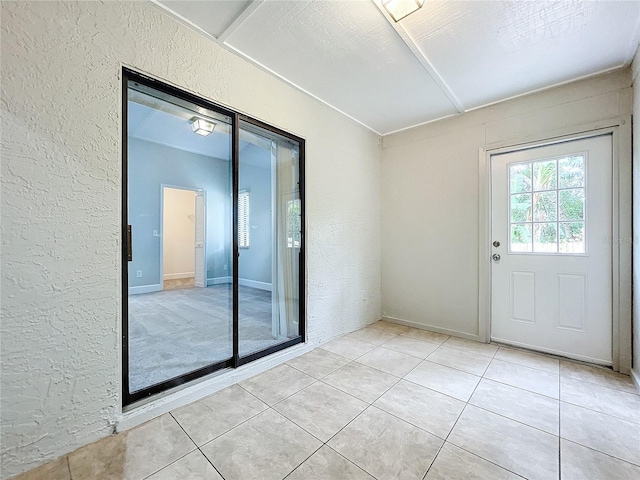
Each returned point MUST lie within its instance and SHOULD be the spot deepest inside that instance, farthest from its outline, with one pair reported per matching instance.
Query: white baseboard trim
(218, 280)
(254, 284)
(145, 289)
(432, 328)
(176, 276)
(636, 378)
(183, 395)
(241, 281)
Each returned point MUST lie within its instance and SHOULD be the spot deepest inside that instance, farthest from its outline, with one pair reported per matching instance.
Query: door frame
(622, 237)
(161, 232)
(130, 400)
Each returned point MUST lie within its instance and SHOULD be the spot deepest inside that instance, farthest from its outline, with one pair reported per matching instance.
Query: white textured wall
(61, 184)
(636, 216)
(430, 196)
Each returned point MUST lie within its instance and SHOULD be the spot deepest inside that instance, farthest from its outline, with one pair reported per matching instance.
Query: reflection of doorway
(182, 238)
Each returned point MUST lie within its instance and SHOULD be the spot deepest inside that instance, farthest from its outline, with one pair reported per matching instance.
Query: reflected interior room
(180, 214)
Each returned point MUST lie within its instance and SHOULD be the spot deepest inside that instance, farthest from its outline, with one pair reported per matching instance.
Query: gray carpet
(174, 332)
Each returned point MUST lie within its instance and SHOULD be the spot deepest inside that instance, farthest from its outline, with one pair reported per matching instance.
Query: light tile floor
(388, 402)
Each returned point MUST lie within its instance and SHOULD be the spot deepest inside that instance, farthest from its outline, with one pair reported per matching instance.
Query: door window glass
(547, 205)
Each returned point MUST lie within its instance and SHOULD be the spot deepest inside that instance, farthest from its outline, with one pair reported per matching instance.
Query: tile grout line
(466, 350)
(576, 379)
(394, 376)
(519, 388)
(234, 427)
(454, 426)
(321, 380)
(400, 379)
(532, 353)
(456, 422)
(323, 443)
(371, 404)
(315, 380)
(602, 413)
(307, 458)
(318, 378)
(559, 428)
(69, 467)
(197, 448)
(355, 464)
(593, 382)
(407, 421)
(512, 419)
(326, 443)
(511, 362)
(449, 433)
(602, 453)
(453, 368)
(338, 432)
(169, 464)
(560, 375)
(348, 423)
(396, 335)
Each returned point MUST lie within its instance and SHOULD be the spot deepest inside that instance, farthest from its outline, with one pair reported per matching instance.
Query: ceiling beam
(635, 44)
(422, 58)
(183, 20)
(233, 26)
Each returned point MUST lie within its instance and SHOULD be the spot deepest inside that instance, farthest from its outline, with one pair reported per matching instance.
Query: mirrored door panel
(269, 240)
(180, 304)
(213, 247)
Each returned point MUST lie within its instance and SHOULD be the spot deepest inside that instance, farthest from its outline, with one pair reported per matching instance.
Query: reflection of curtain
(287, 264)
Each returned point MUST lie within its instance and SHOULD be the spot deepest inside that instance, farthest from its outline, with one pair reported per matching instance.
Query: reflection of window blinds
(243, 219)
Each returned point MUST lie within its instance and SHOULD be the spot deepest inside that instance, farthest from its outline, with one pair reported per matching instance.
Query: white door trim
(621, 243)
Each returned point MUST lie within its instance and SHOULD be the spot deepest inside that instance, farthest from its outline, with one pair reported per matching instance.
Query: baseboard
(241, 281)
(635, 376)
(432, 328)
(254, 284)
(176, 276)
(145, 289)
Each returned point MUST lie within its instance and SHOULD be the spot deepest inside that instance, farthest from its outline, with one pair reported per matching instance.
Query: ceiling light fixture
(398, 9)
(202, 127)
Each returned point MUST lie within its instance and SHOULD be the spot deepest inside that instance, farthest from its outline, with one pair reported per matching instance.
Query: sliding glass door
(212, 238)
(269, 239)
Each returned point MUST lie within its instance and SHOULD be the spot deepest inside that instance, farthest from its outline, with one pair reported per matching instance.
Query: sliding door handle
(129, 245)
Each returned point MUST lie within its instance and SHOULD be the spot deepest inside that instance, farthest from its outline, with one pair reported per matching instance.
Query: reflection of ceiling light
(398, 9)
(202, 127)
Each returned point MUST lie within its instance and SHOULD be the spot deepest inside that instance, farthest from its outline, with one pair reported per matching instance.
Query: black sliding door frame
(236, 360)
(302, 323)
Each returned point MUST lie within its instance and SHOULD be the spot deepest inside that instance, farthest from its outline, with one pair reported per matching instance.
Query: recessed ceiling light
(202, 127)
(398, 9)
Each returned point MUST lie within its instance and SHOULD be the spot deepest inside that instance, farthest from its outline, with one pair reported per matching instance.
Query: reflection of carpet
(177, 331)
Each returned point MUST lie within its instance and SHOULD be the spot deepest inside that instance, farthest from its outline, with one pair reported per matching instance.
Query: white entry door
(551, 227)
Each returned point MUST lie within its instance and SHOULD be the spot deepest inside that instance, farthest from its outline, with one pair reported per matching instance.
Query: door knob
(495, 256)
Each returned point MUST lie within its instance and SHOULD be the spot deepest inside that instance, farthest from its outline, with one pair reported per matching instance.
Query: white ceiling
(447, 58)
